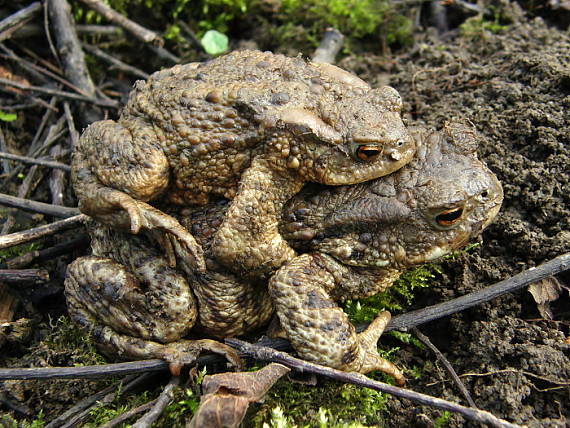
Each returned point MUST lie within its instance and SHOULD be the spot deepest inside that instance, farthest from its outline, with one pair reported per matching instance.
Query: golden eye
(368, 153)
(449, 217)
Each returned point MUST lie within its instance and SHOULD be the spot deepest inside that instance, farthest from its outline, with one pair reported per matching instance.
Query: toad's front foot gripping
(318, 329)
(116, 170)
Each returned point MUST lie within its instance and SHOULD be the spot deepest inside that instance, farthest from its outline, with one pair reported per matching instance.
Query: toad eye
(449, 217)
(367, 153)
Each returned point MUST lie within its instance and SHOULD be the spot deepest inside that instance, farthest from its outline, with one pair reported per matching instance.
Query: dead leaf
(545, 291)
(226, 396)
(5, 73)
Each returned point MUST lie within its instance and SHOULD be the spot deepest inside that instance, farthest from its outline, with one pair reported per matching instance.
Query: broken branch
(38, 207)
(29, 160)
(267, 354)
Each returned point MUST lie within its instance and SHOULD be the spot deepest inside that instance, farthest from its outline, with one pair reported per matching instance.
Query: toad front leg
(248, 240)
(115, 171)
(318, 329)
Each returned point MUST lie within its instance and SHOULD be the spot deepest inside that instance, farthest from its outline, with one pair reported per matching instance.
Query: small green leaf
(214, 42)
(8, 117)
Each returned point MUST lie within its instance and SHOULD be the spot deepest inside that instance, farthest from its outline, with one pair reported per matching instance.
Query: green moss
(328, 405)
(476, 27)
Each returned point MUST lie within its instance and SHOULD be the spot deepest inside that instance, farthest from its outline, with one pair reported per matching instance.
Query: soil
(514, 86)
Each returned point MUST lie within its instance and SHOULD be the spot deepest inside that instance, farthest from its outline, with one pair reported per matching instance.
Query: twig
(111, 15)
(161, 403)
(24, 190)
(56, 178)
(20, 262)
(29, 160)
(114, 61)
(267, 354)
(425, 340)
(129, 414)
(520, 280)
(71, 54)
(100, 30)
(80, 415)
(38, 207)
(87, 372)
(3, 147)
(164, 54)
(63, 94)
(70, 125)
(20, 16)
(329, 47)
(23, 276)
(18, 238)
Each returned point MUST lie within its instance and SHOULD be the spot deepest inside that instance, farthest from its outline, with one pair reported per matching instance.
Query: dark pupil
(449, 217)
(368, 152)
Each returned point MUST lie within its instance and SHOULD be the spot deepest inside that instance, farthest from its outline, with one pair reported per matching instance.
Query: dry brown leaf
(7, 74)
(545, 291)
(226, 396)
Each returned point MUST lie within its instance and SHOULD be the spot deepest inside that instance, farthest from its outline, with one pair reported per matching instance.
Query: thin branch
(38, 207)
(516, 282)
(330, 45)
(81, 415)
(123, 417)
(63, 94)
(161, 403)
(86, 372)
(23, 276)
(26, 159)
(267, 354)
(20, 262)
(120, 65)
(111, 15)
(425, 340)
(20, 16)
(18, 238)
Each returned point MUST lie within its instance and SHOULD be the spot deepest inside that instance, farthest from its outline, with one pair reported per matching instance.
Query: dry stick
(3, 147)
(267, 354)
(329, 47)
(24, 190)
(162, 402)
(71, 54)
(29, 160)
(70, 125)
(123, 417)
(56, 178)
(40, 73)
(20, 16)
(425, 340)
(79, 418)
(131, 382)
(38, 207)
(24, 276)
(18, 238)
(63, 94)
(86, 372)
(520, 280)
(100, 30)
(137, 30)
(20, 262)
(116, 62)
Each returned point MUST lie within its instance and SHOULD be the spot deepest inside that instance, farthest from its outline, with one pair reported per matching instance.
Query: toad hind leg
(134, 321)
(318, 329)
(248, 240)
(116, 171)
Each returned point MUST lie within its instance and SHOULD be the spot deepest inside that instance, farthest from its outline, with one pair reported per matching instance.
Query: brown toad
(249, 126)
(355, 241)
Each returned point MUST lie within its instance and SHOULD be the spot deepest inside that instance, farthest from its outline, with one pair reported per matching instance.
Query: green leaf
(8, 117)
(214, 42)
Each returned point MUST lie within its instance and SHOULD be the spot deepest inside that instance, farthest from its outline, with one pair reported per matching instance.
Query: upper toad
(248, 126)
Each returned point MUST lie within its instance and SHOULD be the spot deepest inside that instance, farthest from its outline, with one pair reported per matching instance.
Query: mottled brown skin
(249, 126)
(353, 241)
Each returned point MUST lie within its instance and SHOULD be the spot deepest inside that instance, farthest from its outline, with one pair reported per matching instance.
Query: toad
(353, 241)
(249, 126)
